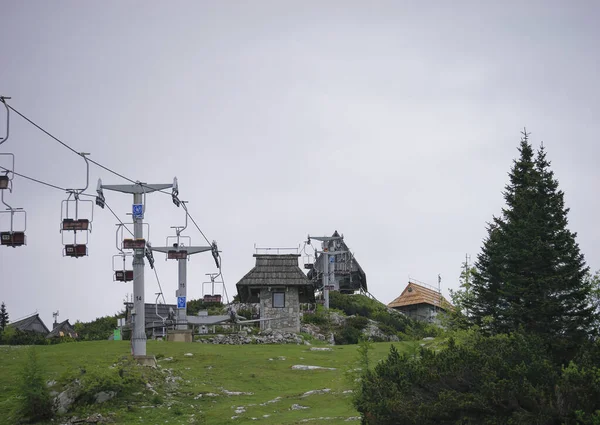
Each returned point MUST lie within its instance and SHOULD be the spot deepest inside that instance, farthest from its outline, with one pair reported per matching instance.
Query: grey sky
(393, 122)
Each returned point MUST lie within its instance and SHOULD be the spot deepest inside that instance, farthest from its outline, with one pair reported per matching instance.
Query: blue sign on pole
(137, 210)
(332, 259)
(180, 302)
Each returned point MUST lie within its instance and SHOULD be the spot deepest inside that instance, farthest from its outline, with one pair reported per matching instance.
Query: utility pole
(139, 191)
(328, 263)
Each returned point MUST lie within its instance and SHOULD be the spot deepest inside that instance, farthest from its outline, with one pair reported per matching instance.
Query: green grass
(212, 369)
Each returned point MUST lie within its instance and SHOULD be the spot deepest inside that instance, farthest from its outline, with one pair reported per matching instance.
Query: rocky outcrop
(268, 336)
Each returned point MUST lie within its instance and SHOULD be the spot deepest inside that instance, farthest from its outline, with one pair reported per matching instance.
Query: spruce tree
(3, 316)
(530, 273)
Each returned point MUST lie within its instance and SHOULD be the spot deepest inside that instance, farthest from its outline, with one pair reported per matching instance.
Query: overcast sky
(393, 122)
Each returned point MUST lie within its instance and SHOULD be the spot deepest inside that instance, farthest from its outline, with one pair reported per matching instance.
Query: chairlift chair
(138, 243)
(121, 273)
(73, 227)
(71, 221)
(12, 236)
(75, 250)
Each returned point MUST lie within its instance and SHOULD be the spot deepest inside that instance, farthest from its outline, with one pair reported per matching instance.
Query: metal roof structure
(164, 310)
(348, 271)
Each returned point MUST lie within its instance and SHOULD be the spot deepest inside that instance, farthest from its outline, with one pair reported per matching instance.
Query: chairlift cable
(97, 164)
(66, 145)
(159, 286)
(34, 180)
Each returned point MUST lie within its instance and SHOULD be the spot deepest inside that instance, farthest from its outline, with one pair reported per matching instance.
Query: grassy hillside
(200, 396)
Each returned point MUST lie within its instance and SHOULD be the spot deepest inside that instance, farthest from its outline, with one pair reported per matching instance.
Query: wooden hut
(278, 286)
(420, 302)
(62, 329)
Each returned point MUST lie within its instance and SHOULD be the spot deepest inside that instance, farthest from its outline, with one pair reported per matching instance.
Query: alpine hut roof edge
(275, 270)
(23, 323)
(420, 295)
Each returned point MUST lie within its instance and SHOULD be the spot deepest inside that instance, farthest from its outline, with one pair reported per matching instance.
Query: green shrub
(504, 379)
(357, 322)
(35, 403)
(347, 335)
(13, 336)
(319, 317)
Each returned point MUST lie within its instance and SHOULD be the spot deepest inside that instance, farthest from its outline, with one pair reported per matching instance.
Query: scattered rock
(65, 399)
(50, 384)
(239, 410)
(307, 367)
(281, 358)
(206, 395)
(347, 392)
(266, 337)
(321, 349)
(188, 355)
(298, 407)
(235, 393)
(104, 396)
(275, 400)
(428, 338)
(313, 392)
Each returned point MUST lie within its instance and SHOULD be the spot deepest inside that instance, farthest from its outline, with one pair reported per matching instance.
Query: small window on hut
(278, 299)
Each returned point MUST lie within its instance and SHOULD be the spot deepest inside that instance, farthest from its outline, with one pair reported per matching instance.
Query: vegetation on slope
(530, 352)
(196, 389)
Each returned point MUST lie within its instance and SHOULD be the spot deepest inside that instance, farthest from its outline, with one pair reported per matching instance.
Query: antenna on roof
(55, 316)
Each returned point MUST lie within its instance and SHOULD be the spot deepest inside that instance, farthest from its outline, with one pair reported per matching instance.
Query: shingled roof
(417, 294)
(150, 313)
(63, 329)
(275, 270)
(31, 323)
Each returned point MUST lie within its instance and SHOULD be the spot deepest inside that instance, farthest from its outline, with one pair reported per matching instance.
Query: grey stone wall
(287, 319)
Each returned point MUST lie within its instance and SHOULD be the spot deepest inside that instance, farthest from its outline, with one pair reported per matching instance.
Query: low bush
(12, 336)
(319, 317)
(35, 403)
(347, 335)
(483, 380)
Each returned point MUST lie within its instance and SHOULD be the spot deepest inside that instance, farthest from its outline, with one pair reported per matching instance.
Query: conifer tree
(530, 273)
(3, 316)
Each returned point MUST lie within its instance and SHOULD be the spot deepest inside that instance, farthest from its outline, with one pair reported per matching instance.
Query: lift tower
(180, 253)
(139, 191)
(328, 254)
(177, 250)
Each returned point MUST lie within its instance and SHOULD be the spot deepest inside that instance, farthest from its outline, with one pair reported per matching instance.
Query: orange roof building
(420, 302)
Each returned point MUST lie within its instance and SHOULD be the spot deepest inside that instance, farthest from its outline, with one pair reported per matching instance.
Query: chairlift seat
(209, 299)
(177, 255)
(124, 275)
(134, 243)
(4, 181)
(73, 224)
(75, 251)
(13, 239)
